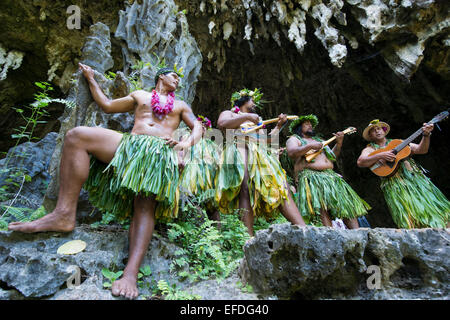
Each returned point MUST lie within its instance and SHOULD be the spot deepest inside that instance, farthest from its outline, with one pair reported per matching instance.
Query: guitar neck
(441, 116)
(407, 141)
(328, 141)
(276, 119)
(346, 131)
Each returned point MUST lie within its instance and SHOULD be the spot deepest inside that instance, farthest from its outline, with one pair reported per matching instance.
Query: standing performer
(413, 200)
(321, 191)
(200, 169)
(130, 171)
(250, 176)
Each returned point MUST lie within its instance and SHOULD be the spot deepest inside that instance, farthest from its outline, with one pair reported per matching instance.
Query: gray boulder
(325, 263)
(32, 159)
(30, 265)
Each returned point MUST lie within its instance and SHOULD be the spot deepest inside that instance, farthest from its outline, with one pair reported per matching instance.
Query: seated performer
(321, 191)
(413, 200)
(250, 177)
(141, 168)
(201, 163)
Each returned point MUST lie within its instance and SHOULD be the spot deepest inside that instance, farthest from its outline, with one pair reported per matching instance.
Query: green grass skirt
(143, 165)
(414, 201)
(266, 183)
(199, 173)
(328, 190)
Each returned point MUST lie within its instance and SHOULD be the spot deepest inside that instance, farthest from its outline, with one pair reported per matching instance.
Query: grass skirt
(414, 201)
(143, 165)
(326, 189)
(199, 173)
(266, 183)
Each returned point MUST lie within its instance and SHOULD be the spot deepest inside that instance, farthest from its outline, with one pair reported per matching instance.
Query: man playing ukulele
(250, 177)
(321, 191)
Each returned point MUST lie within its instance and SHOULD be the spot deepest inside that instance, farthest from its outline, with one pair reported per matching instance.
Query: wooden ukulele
(401, 149)
(250, 127)
(311, 154)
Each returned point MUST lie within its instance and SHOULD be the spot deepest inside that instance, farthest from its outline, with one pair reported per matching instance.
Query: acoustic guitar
(401, 149)
(250, 127)
(311, 154)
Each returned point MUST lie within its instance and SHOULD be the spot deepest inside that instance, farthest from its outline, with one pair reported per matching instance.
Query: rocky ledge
(322, 263)
(281, 262)
(30, 267)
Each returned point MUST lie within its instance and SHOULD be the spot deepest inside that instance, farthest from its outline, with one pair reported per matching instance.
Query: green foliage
(244, 288)
(108, 219)
(19, 214)
(156, 63)
(14, 176)
(110, 75)
(170, 292)
(111, 276)
(205, 251)
(144, 272)
(261, 223)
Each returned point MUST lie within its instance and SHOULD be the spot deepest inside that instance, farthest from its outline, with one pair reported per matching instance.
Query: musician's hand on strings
(316, 146)
(339, 137)
(386, 156)
(427, 128)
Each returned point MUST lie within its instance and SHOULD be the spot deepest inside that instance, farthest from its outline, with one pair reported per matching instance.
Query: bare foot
(54, 221)
(125, 287)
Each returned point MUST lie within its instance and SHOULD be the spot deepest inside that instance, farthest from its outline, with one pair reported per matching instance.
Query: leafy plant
(205, 251)
(244, 288)
(144, 272)
(110, 75)
(172, 293)
(111, 276)
(14, 177)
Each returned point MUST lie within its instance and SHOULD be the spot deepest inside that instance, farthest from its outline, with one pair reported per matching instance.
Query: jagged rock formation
(9, 60)
(403, 27)
(155, 30)
(324, 263)
(85, 112)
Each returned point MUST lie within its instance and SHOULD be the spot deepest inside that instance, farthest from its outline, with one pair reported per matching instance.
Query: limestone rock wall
(401, 28)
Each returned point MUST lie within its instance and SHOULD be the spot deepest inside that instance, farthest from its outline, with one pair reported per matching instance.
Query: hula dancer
(137, 171)
(200, 169)
(250, 177)
(321, 191)
(413, 200)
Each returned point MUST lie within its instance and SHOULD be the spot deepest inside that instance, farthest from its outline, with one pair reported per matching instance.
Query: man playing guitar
(413, 200)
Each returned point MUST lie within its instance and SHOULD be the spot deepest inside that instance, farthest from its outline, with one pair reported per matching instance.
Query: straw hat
(375, 123)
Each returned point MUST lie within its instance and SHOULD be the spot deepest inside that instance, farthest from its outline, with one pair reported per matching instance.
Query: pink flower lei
(156, 105)
(205, 121)
(235, 109)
